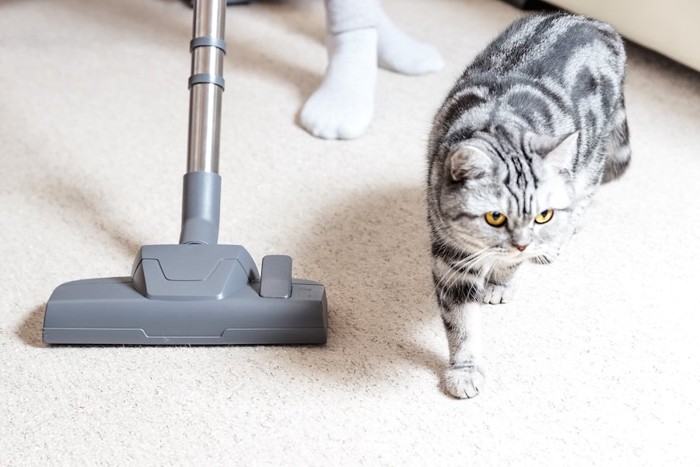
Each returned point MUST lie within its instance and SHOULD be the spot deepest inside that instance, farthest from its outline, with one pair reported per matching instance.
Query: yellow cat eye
(544, 216)
(496, 219)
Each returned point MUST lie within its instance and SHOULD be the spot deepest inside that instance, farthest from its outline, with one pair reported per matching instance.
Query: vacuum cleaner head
(196, 292)
(191, 294)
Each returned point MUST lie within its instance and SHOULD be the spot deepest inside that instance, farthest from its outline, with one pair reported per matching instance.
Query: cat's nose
(520, 247)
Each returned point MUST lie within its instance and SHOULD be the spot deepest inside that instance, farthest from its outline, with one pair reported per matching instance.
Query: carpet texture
(594, 363)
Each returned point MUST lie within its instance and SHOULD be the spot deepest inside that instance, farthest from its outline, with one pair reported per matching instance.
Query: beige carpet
(595, 363)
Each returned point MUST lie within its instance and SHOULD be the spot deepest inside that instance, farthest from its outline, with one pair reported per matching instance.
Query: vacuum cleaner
(196, 292)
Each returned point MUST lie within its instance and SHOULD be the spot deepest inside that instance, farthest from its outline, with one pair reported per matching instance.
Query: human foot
(401, 53)
(343, 105)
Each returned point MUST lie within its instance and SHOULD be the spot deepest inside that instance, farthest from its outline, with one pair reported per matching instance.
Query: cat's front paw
(464, 381)
(497, 294)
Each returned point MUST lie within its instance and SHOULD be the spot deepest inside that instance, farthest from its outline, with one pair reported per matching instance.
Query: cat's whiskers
(462, 268)
(485, 269)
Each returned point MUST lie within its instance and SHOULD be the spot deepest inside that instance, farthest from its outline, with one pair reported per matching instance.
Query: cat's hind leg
(617, 145)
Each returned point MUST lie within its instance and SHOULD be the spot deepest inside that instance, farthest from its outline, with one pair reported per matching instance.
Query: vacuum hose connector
(201, 201)
(202, 184)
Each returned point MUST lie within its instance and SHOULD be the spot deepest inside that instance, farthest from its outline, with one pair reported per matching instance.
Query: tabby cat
(524, 139)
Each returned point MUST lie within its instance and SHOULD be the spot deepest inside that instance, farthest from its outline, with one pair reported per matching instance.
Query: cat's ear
(559, 151)
(468, 162)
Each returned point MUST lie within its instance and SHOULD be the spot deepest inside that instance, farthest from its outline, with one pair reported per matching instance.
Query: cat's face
(511, 209)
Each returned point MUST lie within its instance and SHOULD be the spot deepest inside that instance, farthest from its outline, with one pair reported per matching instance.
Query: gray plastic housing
(190, 294)
(201, 207)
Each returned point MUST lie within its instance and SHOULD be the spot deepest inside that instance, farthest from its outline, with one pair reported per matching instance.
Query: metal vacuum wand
(202, 183)
(206, 85)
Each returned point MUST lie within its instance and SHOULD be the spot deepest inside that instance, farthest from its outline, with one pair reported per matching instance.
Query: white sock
(401, 53)
(343, 106)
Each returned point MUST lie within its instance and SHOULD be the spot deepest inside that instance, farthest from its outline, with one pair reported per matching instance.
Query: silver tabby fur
(537, 122)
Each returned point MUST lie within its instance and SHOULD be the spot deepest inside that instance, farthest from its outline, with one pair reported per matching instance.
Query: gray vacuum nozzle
(190, 294)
